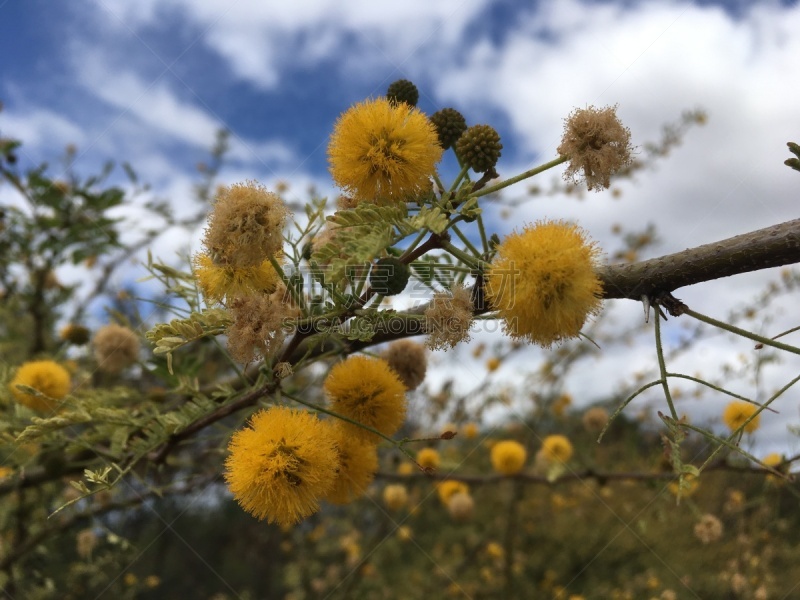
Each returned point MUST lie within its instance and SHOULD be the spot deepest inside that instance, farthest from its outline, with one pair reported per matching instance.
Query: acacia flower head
(737, 413)
(115, 347)
(282, 464)
(382, 151)
(46, 377)
(428, 458)
(471, 431)
(597, 144)
(409, 360)
(543, 284)
(684, 486)
(708, 529)
(448, 318)
(557, 449)
(449, 488)
(594, 419)
(358, 462)
(259, 324)
(369, 392)
(508, 457)
(461, 507)
(220, 282)
(773, 460)
(395, 496)
(245, 225)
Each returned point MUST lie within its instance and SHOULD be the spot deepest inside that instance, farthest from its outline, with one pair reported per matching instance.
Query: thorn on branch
(674, 306)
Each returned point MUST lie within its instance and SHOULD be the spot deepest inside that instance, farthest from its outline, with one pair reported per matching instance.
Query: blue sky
(150, 82)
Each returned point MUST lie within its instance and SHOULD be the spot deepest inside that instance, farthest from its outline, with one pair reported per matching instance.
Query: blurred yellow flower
(368, 391)
(495, 550)
(737, 413)
(562, 403)
(543, 284)
(404, 533)
(492, 364)
(115, 347)
(508, 457)
(448, 488)
(461, 507)
(395, 496)
(405, 468)
(428, 458)
(282, 464)
(45, 376)
(383, 152)
(557, 449)
(773, 460)
(470, 431)
(685, 487)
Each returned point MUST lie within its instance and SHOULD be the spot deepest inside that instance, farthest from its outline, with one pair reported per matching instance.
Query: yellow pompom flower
(369, 392)
(471, 431)
(447, 489)
(281, 465)
(737, 412)
(557, 449)
(543, 284)
(773, 460)
(428, 458)
(405, 468)
(395, 496)
(495, 550)
(508, 457)
(219, 282)
(685, 487)
(115, 347)
(358, 462)
(46, 377)
(383, 152)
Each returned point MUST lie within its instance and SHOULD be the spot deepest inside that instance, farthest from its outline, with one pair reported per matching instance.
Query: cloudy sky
(150, 82)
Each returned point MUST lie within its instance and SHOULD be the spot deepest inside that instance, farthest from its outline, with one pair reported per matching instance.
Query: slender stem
(466, 241)
(464, 257)
(295, 294)
(715, 387)
(742, 332)
(438, 182)
(622, 406)
(336, 415)
(507, 182)
(482, 230)
(662, 367)
(753, 416)
(410, 250)
(458, 178)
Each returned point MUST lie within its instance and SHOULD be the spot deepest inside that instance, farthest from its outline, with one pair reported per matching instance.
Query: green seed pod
(479, 148)
(389, 276)
(450, 126)
(403, 90)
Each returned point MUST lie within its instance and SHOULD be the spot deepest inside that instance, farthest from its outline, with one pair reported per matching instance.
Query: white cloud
(654, 60)
(259, 39)
(40, 129)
